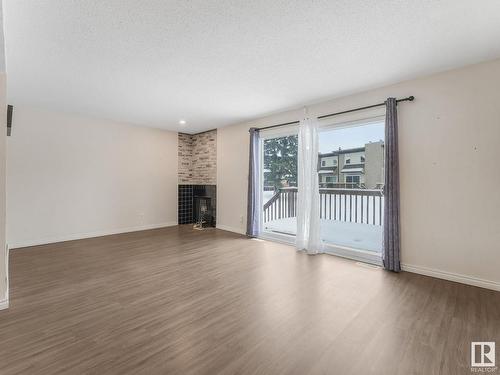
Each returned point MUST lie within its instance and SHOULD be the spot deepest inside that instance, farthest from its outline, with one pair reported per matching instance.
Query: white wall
(450, 174)
(74, 177)
(4, 263)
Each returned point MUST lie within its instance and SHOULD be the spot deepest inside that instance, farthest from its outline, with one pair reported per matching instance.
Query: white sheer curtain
(308, 222)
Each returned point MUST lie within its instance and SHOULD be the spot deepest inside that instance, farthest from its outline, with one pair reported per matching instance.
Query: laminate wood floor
(178, 301)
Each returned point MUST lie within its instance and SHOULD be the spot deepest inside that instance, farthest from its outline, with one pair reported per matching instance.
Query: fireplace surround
(197, 177)
(197, 202)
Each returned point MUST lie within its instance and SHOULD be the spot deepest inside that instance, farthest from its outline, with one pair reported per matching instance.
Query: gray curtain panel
(392, 240)
(253, 178)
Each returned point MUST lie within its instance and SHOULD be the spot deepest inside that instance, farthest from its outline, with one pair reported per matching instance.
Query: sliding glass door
(279, 184)
(351, 181)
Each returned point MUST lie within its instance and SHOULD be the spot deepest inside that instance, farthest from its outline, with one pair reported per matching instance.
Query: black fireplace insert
(197, 204)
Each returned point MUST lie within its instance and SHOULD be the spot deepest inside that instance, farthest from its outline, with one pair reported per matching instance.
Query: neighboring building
(361, 167)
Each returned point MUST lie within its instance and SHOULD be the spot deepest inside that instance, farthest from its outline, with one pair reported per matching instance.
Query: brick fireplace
(197, 176)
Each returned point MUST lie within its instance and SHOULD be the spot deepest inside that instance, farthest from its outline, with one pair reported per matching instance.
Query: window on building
(362, 159)
(353, 179)
(348, 161)
(323, 163)
(334, 161)
(331, 179)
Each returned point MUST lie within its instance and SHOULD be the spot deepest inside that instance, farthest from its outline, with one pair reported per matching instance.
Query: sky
(331, 140)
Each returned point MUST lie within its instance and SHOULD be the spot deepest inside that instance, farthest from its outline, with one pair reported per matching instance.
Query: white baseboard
(4, 304)
(80, 236)
(464, 279)
(231, 229)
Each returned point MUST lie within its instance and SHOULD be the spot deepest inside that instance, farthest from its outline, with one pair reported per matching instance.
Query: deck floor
(347, 234)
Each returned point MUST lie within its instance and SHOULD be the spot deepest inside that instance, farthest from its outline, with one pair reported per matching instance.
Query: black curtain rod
(408, 99)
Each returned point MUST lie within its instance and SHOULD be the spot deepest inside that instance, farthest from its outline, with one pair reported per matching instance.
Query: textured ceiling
(215, 63)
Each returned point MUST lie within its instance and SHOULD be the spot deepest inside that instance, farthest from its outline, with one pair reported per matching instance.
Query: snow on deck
(354, 235)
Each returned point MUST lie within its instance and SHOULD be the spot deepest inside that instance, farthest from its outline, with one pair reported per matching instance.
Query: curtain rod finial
(411, 98)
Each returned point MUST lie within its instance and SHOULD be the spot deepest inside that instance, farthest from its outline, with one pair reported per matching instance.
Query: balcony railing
(341, 185)
(363, 206)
